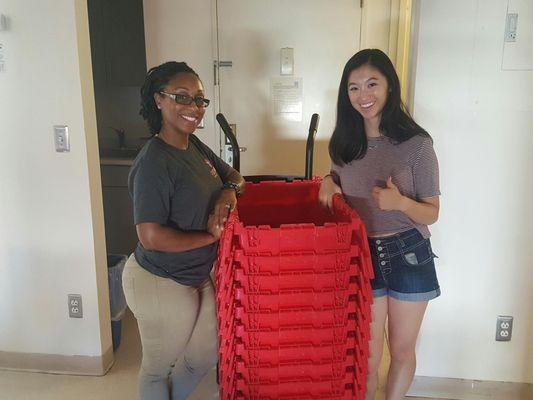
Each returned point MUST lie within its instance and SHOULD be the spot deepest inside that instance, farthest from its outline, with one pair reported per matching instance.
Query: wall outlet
(75, 309)
(504, 328)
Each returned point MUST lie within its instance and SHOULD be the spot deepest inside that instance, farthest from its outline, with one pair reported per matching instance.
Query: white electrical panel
(511, 27)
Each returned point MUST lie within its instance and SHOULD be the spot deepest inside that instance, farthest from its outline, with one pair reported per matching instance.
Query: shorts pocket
(418, 255)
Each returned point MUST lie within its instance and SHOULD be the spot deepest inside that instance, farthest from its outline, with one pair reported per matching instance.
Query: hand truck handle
(232, 139)
(313, 126)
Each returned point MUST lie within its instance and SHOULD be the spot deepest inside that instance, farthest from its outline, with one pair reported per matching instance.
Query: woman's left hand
(224, 205)
(389, 198)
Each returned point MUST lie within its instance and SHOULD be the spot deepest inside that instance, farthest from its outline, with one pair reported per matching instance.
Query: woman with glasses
(384, 165)
(182, 193)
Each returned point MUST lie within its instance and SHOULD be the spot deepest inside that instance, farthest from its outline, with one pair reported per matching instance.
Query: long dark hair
(349, 141)
(156, 79)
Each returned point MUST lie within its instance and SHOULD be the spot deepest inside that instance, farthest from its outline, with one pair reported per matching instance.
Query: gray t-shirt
(414, 169)
(177, 188)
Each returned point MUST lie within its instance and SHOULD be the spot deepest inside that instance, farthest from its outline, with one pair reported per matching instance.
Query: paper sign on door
(286, 94)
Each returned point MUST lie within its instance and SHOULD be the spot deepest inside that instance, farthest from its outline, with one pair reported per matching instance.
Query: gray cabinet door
(121, 237)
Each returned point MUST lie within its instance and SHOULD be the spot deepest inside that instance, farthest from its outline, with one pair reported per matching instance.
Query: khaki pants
(178, 329)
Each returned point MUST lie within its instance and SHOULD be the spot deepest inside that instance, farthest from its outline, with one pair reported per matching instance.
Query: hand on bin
(213, 228)
(328, 188)
(224, 205)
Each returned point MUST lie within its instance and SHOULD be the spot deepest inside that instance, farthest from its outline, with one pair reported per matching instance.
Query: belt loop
(402, 243)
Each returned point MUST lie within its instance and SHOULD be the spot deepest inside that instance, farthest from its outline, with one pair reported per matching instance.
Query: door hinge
(361, 3)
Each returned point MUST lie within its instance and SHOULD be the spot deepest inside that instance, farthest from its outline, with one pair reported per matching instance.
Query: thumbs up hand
(389, 198)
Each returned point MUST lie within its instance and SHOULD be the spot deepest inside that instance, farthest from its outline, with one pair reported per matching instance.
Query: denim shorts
(404, 267)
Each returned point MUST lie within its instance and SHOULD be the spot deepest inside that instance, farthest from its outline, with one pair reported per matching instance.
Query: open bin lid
(265, 178)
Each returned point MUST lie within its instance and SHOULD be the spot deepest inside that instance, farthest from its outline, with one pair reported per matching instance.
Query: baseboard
(462, 389)
(57, 364)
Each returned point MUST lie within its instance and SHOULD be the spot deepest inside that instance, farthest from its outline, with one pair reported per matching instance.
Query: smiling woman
(182, 193)
(384, 164)
(182, 106)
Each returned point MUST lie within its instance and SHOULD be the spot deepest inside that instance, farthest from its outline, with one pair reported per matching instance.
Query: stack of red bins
(293, 297)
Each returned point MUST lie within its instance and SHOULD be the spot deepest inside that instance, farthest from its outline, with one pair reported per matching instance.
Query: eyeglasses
(186, 100)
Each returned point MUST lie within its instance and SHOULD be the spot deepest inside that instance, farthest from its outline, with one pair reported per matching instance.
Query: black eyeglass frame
(187, 100)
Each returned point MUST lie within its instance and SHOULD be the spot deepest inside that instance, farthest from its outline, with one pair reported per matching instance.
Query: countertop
(123, 156)
(117, 161)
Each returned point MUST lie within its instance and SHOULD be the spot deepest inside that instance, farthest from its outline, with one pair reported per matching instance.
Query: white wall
(51, 230)
(182, 31)
(482, 121)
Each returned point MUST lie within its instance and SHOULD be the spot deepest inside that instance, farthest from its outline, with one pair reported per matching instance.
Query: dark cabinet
(117, 42)
(118, 51)
(121, 236)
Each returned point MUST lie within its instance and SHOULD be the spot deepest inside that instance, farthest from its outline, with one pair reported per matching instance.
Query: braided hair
(156, 79)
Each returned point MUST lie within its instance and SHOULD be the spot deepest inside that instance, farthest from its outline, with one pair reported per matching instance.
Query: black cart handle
(228, 132)
(313, 126)
(309, 148)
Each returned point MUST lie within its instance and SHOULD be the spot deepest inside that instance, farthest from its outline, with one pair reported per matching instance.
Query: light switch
(61, 138)
(287, 61)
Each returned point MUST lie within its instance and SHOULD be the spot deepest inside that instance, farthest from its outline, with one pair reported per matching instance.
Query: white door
(323, 35)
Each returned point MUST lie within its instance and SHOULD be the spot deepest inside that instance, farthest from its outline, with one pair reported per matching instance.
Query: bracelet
(334, 177)
(232, 186)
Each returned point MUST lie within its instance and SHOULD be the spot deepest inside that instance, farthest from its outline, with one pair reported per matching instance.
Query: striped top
(413, 167)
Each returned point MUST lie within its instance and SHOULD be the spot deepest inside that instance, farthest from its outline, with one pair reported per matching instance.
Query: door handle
(241, 149)
(216, 66)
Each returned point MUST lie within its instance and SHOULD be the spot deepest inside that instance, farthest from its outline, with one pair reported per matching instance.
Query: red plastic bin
(293, 297)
